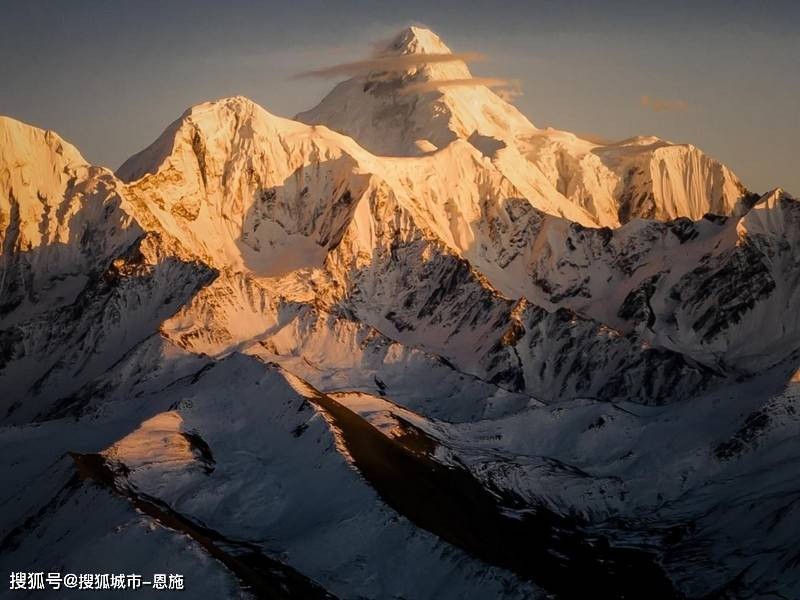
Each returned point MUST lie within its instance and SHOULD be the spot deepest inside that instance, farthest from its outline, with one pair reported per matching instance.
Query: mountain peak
(416, 40)
(216, 123)
(418, 54)
(25, 143)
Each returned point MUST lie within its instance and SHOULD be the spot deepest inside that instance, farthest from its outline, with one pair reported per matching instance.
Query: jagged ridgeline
(587, 337)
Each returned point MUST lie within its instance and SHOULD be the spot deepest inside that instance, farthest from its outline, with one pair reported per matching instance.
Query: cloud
(389, 63)
(661, 105)
(383, 62)
(510, 92)
(504, 88)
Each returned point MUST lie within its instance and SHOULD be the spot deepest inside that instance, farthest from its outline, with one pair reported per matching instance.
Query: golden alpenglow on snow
(408, 343)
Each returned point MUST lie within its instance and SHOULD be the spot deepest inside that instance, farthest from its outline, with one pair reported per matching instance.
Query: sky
(109, 76)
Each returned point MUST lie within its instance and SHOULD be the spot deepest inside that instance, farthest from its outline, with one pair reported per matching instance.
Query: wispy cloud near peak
(390, 64)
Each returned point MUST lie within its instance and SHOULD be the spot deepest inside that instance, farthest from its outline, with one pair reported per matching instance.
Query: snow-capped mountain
(406, 114)
(406, 345)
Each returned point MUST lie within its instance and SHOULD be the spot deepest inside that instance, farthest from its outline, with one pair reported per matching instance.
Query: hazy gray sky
(723, 75)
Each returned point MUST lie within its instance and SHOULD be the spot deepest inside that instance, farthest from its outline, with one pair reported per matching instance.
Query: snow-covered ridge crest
(386, 117)
(429, 58)
(240, 189)
(310, 213)
(213, 173)
(407, 113)
(241, 186)
(61, 221)
(415, 40)
(769, 217)
(37, 168)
